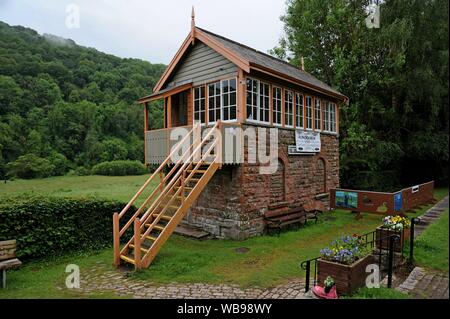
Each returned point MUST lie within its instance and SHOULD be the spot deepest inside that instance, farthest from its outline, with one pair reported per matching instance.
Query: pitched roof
(262, 59)
(247, 58)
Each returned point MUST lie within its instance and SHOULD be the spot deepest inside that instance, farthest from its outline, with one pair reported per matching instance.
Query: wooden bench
(313, 208)
(282, 218)
(7, 259)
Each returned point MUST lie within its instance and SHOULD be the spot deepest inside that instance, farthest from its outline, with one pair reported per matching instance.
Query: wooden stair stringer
(178, 216)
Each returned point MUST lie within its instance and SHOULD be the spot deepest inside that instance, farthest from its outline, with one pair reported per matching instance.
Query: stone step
(191, 231)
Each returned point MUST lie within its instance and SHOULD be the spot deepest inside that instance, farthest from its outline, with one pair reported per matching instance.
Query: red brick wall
(234, 202)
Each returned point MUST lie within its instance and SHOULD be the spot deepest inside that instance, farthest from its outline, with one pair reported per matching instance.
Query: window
(317, 115)
(264, 102)
(288, 108)
(329, 121)
(299, 110)
(199, 105)
(258, 101)
(276, 99)
(222, 101)
(229, 99)
(252, 99)
(214, 102)
(308, 112)
(333, 111)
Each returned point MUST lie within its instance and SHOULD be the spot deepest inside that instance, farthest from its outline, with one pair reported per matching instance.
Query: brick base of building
(234, 202)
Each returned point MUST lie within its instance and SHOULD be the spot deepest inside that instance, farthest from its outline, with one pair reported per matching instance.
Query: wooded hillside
(64, 106)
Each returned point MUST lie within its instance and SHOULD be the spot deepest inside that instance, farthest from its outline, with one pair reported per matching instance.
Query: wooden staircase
(161, 212)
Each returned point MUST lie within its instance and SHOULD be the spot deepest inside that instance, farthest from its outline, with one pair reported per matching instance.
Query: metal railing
(370, 239)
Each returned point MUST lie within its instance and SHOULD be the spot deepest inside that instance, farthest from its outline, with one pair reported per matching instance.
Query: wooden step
(163, 217)
(199, 171)
(128, 260)
(150, 238)
(185, 187)
(170, 206)
(143, 249)
(157, 227)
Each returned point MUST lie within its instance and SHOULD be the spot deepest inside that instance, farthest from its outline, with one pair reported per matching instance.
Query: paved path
(431, 215)
(425, 284)
(99, 278)
(422, 283)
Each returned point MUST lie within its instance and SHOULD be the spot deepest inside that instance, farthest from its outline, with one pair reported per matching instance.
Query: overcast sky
(151, 30)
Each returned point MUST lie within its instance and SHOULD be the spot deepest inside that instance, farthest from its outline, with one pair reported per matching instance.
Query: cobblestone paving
(420, 282)
(423, 284)
(99, 278)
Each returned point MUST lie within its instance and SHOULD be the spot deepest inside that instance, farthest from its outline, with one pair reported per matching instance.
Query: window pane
(232, 84)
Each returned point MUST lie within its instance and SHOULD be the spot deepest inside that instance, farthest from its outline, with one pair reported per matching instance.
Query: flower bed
(345, 260)
(393, 225)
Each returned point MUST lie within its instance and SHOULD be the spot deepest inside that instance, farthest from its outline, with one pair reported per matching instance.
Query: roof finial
(193, 19)
(302, 61)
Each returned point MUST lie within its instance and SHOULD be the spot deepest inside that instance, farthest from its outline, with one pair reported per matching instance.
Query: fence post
(116, 239)
(392, 240)
(411, 239)
(308, 268)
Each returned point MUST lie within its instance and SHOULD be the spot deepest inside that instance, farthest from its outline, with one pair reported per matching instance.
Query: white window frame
(200, 99)
(229, 93)
(309, 111)
(317, 102)
(274, 110)
(259, 97)
(287, 103)
(330, 117)
(221, 95)
(299, 106)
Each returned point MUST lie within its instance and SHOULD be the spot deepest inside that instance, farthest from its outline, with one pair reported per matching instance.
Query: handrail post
(392, 240)
(308, 269)
(137, 243)
(116, 239)
(411, 239)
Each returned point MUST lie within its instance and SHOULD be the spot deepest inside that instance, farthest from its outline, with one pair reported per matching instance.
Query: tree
(396, 78)
(10, 95)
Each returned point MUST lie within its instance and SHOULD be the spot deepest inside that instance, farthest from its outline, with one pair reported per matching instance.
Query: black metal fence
(385, 255)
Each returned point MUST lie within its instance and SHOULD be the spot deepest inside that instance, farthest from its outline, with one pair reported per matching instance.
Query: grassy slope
(432, 246)
(120, 188)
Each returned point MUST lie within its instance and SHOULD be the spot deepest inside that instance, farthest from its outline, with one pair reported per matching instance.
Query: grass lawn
(378, 293)
(120, 188)
(271, 260)
(432, 247)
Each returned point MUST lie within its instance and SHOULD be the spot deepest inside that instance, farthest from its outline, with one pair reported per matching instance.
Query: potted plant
(345, 261)
(393, 225)
(328, 283)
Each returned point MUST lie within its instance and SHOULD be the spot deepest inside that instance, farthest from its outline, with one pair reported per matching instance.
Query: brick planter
(348, 278)
(382, 238)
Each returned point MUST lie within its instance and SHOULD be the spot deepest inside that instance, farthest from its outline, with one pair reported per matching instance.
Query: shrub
(48, 226)
(80, 171)
(119, 168)
(30, 166)
(60, 162)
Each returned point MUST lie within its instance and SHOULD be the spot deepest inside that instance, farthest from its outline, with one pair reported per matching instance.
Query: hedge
(119, 168)
(48, 226)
